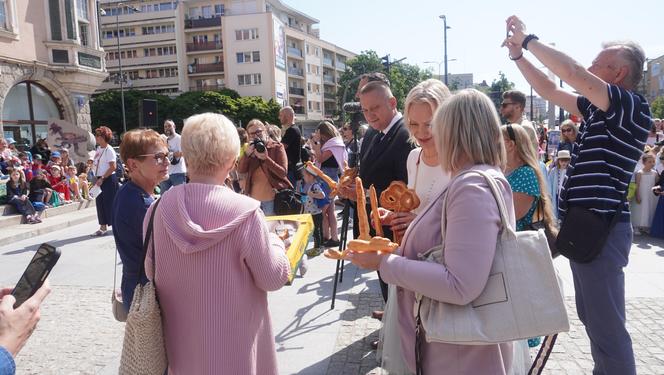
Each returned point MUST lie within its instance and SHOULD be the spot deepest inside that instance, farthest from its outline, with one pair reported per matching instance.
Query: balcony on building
(204, 46)
(299, 110)
(208, 87)
(296, 71)
(327, 61)
(292, 51)
(206, 68)
(296, 91)
(328, 78)
(329, 96)
(197, 23)
(341, 65)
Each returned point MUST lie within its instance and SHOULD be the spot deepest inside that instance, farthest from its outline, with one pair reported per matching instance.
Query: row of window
(112, 34)
(159, 51)
(246, 34)
(248, 57)
(249, 79)
(313, 105)
(157, 7)
(207, 11)
(158, 29)
(149, 73)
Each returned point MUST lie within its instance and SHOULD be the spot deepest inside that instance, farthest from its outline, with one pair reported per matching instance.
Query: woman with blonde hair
(215, 260)
(331, 156)
(568, 132)
(466, 130)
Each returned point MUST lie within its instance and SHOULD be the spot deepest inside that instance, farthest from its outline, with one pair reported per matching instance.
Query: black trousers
(372, 232)
(318, 229)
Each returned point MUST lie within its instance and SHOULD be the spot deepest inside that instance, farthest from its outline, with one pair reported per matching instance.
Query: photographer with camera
(266, 166)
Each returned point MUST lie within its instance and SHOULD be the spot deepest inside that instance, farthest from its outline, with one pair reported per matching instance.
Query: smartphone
(36, 272)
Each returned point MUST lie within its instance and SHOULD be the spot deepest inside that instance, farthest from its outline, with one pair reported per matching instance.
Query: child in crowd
(556, 176)
(40, 191)
(17, 192)
(59, 184)
(313, 196)
(72, 183)
(644, 203)
(37, 164)
(84, 186)
(27, 165)
(89, 171)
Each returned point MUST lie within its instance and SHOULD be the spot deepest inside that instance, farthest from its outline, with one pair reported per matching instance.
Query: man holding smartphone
(16, 325)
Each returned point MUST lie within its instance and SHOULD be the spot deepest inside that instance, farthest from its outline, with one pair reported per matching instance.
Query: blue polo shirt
(605, 153)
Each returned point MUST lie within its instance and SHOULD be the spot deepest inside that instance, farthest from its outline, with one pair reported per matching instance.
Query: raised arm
(568, 69)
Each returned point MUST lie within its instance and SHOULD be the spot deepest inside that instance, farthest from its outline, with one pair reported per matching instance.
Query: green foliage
(498, 87)
(106, 107)
(403, 77)
(657, 107)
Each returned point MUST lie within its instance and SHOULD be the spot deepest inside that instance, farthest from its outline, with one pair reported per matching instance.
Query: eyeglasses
(566, 130)
(505, 104)
(256, 133)
(159, 157)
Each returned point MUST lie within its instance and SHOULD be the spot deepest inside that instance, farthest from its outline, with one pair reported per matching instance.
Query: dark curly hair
(105, 133)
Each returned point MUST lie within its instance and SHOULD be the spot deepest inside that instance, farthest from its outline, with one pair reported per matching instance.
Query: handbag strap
(146, 242)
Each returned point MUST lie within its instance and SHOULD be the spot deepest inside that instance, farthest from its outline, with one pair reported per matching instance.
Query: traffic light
(385, 60)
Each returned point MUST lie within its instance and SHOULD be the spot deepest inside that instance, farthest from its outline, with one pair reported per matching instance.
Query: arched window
(26, 111)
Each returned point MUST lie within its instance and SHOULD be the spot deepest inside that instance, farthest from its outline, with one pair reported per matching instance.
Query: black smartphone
(35, 274)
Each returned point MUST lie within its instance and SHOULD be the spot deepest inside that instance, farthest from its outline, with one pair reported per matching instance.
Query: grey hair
(633, 55)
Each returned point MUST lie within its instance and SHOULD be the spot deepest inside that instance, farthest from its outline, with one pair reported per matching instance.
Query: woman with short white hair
(215, 261)
(466, 129)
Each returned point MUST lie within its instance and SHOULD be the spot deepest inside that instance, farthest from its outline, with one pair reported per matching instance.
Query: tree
(657, 107)
(497, 88)
(403, 77)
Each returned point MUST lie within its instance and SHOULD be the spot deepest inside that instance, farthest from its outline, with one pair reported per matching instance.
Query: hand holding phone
(16, 325)
(35, 273)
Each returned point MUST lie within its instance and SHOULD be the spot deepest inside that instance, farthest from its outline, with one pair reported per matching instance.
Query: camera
(259, 145)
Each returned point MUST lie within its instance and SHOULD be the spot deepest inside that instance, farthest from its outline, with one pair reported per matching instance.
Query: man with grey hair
(176, 169)
(611, 139)
(292, 141)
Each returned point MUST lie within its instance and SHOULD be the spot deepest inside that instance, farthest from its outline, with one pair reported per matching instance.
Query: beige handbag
(521, 299)
(143, 350)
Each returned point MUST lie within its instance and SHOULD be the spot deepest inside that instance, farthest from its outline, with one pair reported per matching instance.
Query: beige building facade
(653, 79)
(50, 64)
(255, 47)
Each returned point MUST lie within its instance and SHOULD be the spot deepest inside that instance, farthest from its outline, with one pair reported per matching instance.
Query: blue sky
(412, 29)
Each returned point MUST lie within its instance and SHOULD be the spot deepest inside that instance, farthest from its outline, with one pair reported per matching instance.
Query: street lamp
(117, 30)
(445, 27)
(439, 63)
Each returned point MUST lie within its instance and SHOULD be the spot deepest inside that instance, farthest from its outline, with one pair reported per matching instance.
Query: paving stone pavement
(76, 335)
(571, 355)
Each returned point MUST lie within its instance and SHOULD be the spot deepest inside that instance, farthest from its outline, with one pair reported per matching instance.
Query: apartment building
(50, 64)
(256, 47)
(653, 79)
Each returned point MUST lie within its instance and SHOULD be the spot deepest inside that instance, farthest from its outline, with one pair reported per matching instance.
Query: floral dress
(524, 180)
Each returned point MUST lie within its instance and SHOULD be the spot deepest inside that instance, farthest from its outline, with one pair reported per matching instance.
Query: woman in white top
(427, 178)
(104, 170)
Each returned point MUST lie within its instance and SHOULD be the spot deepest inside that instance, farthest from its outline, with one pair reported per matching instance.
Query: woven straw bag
(143, 350)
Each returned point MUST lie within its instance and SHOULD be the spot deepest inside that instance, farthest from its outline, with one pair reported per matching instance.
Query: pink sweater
(472, 229)
(215, 263)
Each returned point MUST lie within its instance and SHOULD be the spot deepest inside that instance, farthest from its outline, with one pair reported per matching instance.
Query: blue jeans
(600, 303)
(268, 207)
(173, 179)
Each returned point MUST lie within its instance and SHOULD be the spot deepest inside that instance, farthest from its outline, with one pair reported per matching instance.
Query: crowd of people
(216, 257)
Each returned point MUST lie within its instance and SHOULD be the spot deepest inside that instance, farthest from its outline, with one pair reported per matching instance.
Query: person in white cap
(556, 175)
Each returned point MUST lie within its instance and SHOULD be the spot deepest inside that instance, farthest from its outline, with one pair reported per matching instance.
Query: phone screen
(35, 274)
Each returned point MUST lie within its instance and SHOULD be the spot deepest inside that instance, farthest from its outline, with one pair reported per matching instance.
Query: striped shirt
(605, 153)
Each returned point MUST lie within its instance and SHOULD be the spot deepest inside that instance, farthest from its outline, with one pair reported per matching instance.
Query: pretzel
(398, 198)
(362, 210)
(347, 177)
(375, 216)
(375, 244)
(330, 182)
(334, 254)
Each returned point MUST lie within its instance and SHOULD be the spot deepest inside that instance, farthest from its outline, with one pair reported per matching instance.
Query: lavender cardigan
(472, 228)
(215, 263)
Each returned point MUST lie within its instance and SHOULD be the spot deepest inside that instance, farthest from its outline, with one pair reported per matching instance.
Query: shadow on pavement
(356, 358)
(303, 324)
(647, 242)
(58, 243)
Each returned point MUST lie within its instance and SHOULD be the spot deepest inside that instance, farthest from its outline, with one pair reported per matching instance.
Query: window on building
(54, 16)
(3, 14)
(246, 34)
(82, 9)
(256, 56)
(207, 11)
(219, 10)
(316, 51)
(69, 20)
(257, 79)
(308, 87)
(242, 79)
(83, 30)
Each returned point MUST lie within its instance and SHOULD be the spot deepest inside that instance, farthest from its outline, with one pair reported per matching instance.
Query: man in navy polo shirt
(610, 141)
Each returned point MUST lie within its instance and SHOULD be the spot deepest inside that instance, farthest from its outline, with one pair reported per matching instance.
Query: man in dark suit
(385, 148)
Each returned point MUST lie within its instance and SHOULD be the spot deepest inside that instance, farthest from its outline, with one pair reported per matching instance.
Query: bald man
(291, 140)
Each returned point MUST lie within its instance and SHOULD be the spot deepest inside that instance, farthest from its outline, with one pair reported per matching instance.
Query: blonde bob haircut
(209, 143)
(466, 129)
(432, 92)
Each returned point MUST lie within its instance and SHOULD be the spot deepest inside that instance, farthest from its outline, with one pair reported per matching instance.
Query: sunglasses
(256, 133)
(159, 157)
(566, 130)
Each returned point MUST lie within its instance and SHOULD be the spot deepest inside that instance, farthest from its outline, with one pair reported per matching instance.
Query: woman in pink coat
(215, 262)
(466, 130)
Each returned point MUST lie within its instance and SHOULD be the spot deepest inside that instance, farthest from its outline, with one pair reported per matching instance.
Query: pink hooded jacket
(215, 263)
